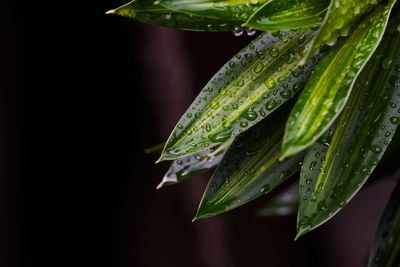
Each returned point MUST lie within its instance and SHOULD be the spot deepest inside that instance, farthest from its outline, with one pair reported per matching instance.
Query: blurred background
(82, 95)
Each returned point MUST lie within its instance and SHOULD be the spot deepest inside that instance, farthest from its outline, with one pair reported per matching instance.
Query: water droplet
(286, 94)
(386, 63)
(220, 136)
(179, 162)
(237, 31)
(271, 104)
(376, 149)
(312, 165)
(214, 104)
(395, 120)
(243, 124)
(179, 126)
(270, 83)
(250, 31)
(189, 115)
(258, 68)
(208, 127)
(274, 52)
(250, 115)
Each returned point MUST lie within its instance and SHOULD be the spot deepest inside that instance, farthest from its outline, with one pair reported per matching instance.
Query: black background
(82, 95)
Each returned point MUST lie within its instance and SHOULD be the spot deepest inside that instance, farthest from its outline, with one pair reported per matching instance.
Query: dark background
(82, 95)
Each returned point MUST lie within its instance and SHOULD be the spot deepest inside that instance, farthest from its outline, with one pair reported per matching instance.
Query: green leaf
(330, 85)
(342, 15)
(334, 170)
(191, 165)
(285, 203)
(386, 248)
(245, 90)
(249, 169)
(146, 11)
(236, 10)
(288, 14)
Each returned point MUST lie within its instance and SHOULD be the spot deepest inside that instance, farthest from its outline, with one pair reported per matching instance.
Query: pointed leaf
(330, 85)
(236, 10)
(248, 88)
(249, 169)
(286, 203)
(342, 15)
(146, 11)
(335, 170)
(191, 165)
(386, 248)
(288, 14)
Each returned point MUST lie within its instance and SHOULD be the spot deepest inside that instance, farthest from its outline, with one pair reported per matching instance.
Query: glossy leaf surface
(237, 10)
(146, 11)
(342, 15)
(248, 88)
(286, 203)
(288, 14)
(335, 170)
(191, 165)
(249, 169)
(386, 247)
(330, 85)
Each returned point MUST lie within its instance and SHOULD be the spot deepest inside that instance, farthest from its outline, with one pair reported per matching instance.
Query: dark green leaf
(249, 169)
(286, 203)
(330, 85)
(146, 11)
(385, 251)
(335, 170)
(248, 88)
(236, 10)
(191, 165)
(288, 14)
(342, 15)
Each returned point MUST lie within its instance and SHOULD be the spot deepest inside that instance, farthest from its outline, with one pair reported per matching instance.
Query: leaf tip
(112, 11)
(159, 186)
(160, 159)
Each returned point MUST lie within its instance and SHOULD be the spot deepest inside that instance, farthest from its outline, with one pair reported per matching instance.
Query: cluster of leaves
(318, 91)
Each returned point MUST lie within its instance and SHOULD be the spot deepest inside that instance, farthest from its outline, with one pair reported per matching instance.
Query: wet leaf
(386, 247)
(146, 11)
(288, 14)
(245, 90)
(334, 170)
(285, 203)
(184, 168)
(342, 15)
(249, 169)
(236, 10)
(330, 85)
